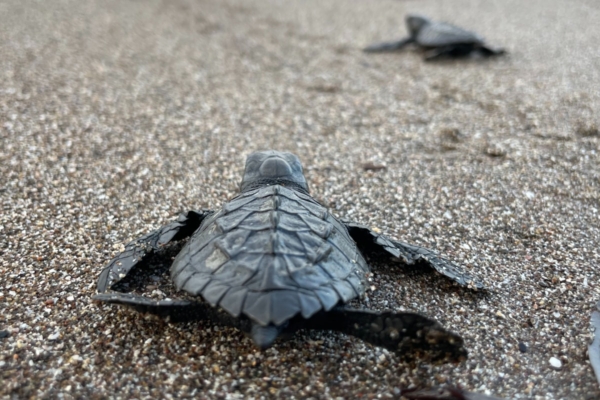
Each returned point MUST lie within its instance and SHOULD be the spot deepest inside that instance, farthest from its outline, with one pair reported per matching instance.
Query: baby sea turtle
(273, 260)
(438, 39)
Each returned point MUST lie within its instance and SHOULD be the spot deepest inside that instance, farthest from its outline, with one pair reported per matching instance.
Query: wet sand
(117, 115)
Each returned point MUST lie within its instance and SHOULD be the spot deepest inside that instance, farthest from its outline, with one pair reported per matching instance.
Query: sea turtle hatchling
(273, 260)
(438, 39)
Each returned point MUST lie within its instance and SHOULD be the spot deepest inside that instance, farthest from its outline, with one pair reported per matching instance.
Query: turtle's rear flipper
(490, 52)
(136, 250)
(407, 334)
(174, 310)
(387, 46)
(370, 241)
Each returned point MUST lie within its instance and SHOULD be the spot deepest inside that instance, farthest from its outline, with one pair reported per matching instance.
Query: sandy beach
(116, 116)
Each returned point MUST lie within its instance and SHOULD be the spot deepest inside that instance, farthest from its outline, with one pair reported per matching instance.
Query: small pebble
(523, 347)
(555, 363)
(371, 166)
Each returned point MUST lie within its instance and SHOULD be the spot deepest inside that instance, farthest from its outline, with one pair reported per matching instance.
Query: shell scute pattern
(291, 224)
(288, 246)
(357, 281)
(273, 276)
(270, 256)
(348, 252)
(237, 240)
(344, 290)
(311, 205)
(214, 291)
(234, 302)
(236, 203)
(234, 273)
(309, 277)
(194, 286)
(317, 225)
(337, 266)
(308, 303)
(217, 258)
(327, 296)
(258, 221)
(233, 219)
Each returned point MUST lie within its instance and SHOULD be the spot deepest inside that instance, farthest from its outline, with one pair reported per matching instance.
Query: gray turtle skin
(438, 40)
(273, 260)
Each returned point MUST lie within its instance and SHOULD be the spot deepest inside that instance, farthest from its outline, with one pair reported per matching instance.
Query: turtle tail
(264, 336)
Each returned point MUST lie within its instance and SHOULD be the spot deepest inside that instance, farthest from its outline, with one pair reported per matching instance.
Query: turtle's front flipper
(387, 46)
(135, 251)
(370, 241)
(404, 333)
(174, 310)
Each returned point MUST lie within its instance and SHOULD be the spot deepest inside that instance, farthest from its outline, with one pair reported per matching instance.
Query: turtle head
(273, 167)
(415, 22)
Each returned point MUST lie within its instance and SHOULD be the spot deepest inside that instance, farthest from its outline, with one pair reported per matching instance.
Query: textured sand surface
(117, 115)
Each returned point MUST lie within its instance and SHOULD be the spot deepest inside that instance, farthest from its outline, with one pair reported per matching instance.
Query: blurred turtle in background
(438, 40)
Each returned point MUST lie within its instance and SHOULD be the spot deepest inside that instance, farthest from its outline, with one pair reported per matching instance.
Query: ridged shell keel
(271, 254)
